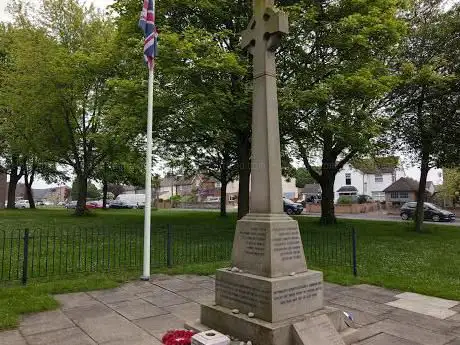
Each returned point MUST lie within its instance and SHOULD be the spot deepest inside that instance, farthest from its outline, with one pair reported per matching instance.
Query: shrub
(345, 200)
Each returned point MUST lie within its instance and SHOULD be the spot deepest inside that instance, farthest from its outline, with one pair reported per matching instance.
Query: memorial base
(260, 332)
(270, 299)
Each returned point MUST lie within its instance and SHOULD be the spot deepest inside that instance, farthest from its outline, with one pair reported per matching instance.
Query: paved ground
(139, 313)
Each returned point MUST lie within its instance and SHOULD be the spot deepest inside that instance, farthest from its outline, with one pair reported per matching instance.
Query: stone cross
(261, 38)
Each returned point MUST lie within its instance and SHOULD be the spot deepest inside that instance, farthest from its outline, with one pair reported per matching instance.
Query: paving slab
(69, 336)
(424, 321)
(377, 289)
(210, 285)
(194, 279)
(454, 342)
(421, 307)
(188, 311)
(386, 339)
(73, 300)
(113, 295)
(363, 305)
(435, 301)
(88, 312)
(165, 299)
(410, 332)
(455, 318)
(159, 325)
(368, 295)
(11, 338)
(137, 309)
(140, 287)
(139, 340)
(44, 322)
(173, 285)
(197, 294)
(359, 317)
(110, 328)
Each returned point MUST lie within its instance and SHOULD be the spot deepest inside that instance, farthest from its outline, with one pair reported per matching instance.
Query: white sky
(411, 172)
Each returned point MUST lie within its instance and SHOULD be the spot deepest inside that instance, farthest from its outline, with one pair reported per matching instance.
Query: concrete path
(139, 313)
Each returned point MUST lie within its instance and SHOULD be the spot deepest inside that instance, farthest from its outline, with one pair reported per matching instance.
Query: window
(378, 178)
(393, 177)
(232, 198)
(403, 195)
(394, 195)
(378, 196)
(218, 184)
(365, 187)
(348, 179)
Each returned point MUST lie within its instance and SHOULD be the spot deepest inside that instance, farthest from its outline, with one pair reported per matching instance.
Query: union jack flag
(147, 24)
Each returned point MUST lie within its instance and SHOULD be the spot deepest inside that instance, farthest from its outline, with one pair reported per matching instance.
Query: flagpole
(148, 178)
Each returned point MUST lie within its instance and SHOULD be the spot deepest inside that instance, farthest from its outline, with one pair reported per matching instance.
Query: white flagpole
(148, 180)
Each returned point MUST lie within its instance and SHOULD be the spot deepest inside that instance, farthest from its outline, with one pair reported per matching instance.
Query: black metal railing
(41, 253)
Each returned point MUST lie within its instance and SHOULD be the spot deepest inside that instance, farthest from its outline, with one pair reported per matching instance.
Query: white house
(289, 188)
(368, 179)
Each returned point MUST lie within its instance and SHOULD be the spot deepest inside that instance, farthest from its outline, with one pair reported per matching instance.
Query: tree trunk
(223, 198)
(28, 181)
(82, 192)
(419, 212)
(327, 199)
(105, 187)
(16, 173)
(244, 160)
(12, 191)
(29, 195)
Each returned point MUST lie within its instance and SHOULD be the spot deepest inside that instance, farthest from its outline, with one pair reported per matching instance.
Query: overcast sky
(412, 172)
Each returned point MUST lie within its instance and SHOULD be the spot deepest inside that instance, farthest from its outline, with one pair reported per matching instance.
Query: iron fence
(41, 253)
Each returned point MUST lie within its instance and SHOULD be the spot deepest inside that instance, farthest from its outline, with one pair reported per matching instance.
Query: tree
(66, 90)
(204, 76)
(303, 177)
(450, 188)
(333, 75)
(93, 192)
(427, 99)
(115, 189)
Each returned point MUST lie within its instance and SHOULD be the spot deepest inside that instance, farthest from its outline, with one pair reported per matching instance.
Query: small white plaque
(210, 338)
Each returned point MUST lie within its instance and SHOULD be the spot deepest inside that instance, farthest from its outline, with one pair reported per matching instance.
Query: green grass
(390, 254)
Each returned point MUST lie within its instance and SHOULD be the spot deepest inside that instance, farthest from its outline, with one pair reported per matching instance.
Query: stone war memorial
(268, 296)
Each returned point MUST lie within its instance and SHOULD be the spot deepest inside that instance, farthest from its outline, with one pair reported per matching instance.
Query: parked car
(212, 199)
(22, 204)
(71, 205)
(92, 204)
(312, 199)
(291, 207)
(430, 212)
(121, 204)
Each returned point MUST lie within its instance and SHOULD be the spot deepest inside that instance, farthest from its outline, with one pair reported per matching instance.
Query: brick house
(403, 190)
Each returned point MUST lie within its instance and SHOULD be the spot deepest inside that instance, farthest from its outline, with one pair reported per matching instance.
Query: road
(383, 217)
(364, 216)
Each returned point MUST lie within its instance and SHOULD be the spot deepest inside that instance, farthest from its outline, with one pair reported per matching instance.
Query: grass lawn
(390, 254)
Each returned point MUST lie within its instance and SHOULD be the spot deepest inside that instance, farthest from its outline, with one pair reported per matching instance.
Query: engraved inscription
(287, 243)
(318, 330)
(250, 296)
(254, 240)
(297, 293)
